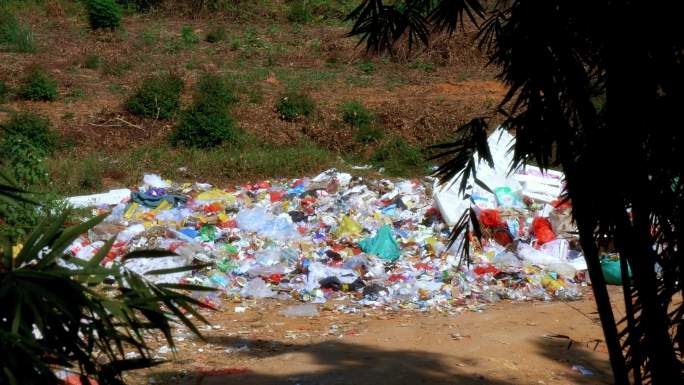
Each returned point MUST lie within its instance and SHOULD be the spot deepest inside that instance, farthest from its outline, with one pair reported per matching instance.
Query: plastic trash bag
(257, 288)
(348, 227)
(382, 244)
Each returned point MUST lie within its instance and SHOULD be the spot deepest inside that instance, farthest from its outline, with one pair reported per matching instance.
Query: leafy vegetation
(188, 36)
(81, 318)
(294, 105)
(552, 60)
(38, 85)
(103, 14)
(205, 126)
(14, 35)
(26, 141)
(157, 97)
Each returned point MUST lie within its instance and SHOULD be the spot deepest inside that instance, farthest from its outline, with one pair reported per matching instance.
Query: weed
(355, 114)
(15, 36)
(293, 105)
(367, 67)
(74, 95)
(149, 37)
(205, 126)
(68, 116)
(419, 64)
(103, 14)
(93, 62)
(157, 97)
(300, 12)
(215, 35)
(38, 85)
(215, 90)
(188, 36)
(399, 158)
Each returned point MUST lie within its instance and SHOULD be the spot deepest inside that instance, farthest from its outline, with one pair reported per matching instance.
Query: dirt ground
(505, 343)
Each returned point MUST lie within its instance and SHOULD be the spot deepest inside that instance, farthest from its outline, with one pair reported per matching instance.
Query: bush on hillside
(33, 128)
(103, 14)
(293, 105)
(157, 97)
(38, 85)
(215, 89)
(356, 115)
(205, 126)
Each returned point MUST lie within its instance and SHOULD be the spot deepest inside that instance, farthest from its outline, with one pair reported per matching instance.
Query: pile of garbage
(336, 236)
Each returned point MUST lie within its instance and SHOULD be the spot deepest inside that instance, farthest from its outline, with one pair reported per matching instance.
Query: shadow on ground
(339, 363)
(577, 354)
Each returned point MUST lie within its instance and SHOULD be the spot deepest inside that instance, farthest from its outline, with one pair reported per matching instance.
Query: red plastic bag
(491, 218)
(541, 227)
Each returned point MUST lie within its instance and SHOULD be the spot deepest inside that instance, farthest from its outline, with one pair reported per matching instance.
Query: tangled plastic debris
(375, 242)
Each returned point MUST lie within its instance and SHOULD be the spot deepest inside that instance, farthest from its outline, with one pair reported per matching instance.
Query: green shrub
(300, 12)
(15, 36)
(34, 129)
(93, 62)
(38, 85)
(293, 105)
(103, 14)
(399, 158)
(215, 89)
(188, 36)
(205, 126)
(157, 97)
(4, 91)
(355, 114)
(216, 35)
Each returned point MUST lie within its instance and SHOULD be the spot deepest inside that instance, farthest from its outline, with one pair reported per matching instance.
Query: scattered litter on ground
(376, 243)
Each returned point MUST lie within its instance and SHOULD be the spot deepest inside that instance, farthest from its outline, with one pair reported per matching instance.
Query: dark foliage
(619, 153)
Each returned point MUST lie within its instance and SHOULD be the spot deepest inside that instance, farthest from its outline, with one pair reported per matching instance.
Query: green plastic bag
(611, 271)
(382, 244)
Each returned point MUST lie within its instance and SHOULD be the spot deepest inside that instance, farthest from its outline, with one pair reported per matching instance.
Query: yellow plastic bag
(348, 226)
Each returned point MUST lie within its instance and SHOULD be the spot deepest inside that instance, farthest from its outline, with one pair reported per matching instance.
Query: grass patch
(399, 158)
(294, 105)
(251, 160)
(14, 35)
